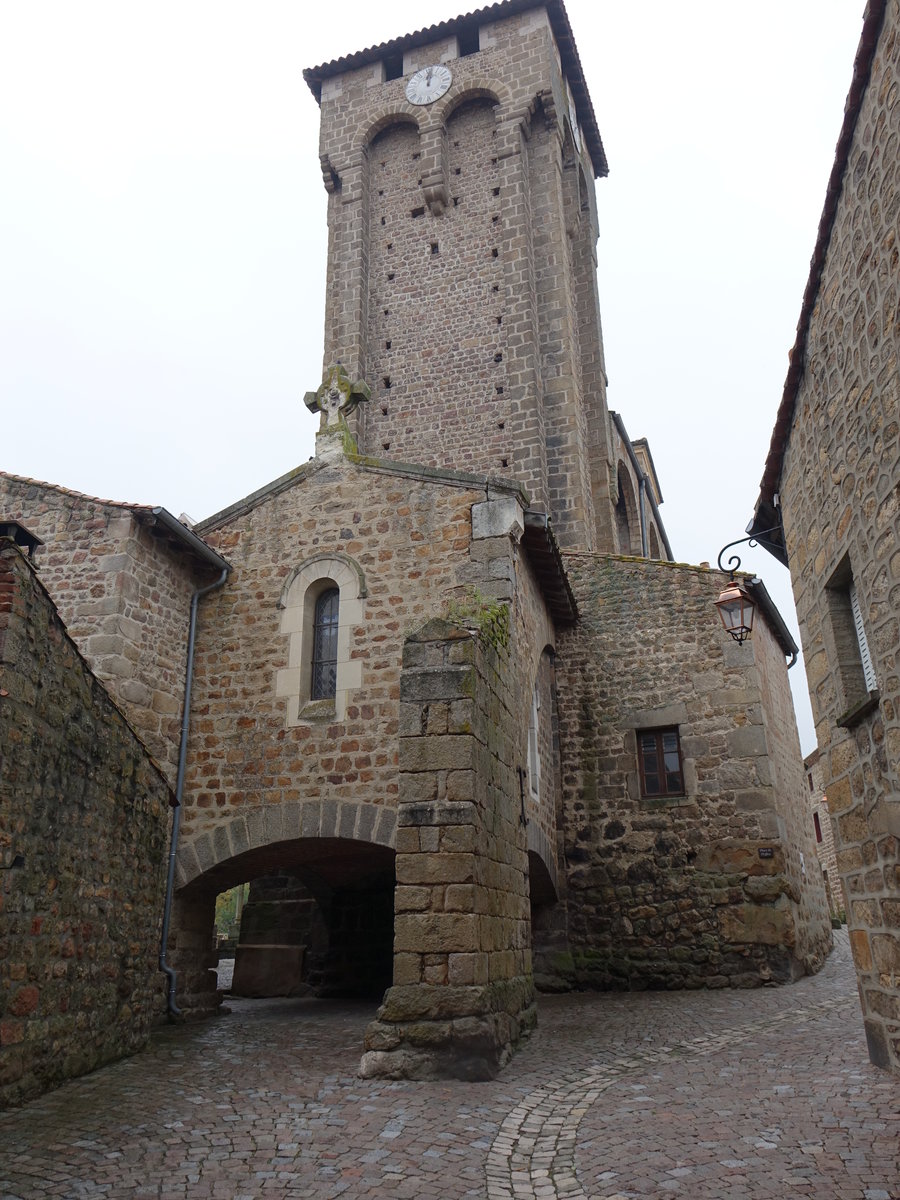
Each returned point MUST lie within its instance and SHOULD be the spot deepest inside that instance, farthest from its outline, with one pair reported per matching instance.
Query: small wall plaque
(766, 852)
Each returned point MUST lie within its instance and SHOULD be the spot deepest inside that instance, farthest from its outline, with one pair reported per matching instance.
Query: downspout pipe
(172, 1008)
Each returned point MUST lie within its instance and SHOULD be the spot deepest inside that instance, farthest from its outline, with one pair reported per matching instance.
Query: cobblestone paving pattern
(725, 1095)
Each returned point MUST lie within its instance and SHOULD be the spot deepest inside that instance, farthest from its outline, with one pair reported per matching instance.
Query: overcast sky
(162, 237)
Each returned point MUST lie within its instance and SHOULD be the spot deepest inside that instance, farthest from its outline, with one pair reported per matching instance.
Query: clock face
(429, 84)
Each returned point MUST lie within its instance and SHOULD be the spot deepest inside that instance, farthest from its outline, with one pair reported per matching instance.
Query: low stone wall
(462, 996)
(87, 811)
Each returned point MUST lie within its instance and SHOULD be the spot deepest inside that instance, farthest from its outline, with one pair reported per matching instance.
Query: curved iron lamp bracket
(734, 562)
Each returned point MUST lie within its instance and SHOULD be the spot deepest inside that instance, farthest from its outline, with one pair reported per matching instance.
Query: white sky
(162, 237)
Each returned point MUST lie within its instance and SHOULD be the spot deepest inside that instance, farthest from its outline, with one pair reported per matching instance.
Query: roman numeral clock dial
(429, 84)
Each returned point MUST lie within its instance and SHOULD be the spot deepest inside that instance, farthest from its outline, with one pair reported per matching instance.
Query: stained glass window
(325, 639)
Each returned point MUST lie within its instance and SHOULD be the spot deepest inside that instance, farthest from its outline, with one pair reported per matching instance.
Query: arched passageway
(319, 919)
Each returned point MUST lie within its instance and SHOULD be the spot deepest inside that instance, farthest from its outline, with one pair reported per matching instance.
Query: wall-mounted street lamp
(736, 608)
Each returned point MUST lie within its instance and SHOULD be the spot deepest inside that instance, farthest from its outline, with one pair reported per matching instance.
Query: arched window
(322, 605)
(325, 646)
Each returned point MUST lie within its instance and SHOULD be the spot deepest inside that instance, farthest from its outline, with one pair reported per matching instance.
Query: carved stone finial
(336, 396)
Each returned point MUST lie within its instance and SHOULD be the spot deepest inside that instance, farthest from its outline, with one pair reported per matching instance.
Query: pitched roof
(562, 32)
(160, 518)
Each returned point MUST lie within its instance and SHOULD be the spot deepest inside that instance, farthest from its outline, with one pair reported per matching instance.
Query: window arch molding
(302, 589)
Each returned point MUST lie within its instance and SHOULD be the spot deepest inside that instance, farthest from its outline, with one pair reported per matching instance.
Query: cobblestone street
(764, 1093)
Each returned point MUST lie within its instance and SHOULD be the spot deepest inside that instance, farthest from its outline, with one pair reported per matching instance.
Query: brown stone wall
(670, 892)
(410, 538)
(124, 594)
(410, 535)
(461, 271)
(462, 996)
(839, 494)
(84, 806)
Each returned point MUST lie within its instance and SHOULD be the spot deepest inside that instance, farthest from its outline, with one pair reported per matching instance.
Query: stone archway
(342, 856)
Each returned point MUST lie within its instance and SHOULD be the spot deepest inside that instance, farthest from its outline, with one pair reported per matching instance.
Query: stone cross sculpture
(336, 397)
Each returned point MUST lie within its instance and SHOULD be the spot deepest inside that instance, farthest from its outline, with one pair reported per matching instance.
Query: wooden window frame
(658, 735)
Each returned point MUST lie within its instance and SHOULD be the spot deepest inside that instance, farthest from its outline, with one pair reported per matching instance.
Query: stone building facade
(83, 834)
(825, 848)
(500, 771)
(829, 498)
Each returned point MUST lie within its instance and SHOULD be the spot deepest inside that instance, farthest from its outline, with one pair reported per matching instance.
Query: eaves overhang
(543, 553)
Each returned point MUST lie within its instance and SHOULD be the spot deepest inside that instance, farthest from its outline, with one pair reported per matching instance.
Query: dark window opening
(325, 639)
(418, 212)
(818, 826)
(659, 759)
(468, 42)
(393, 67)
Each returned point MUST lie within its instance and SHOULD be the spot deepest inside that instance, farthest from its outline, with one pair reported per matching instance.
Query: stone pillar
(462, 995)
(275, 932)
(193, 955)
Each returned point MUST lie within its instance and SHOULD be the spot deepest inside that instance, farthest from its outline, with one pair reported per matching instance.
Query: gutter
(190, 539)
(172, 1008)
(775, 620)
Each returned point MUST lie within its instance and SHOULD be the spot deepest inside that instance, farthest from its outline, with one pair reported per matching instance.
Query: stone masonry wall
(840, 495)
(462, 996)
(410, 534)
(83, 804)
(124, 594)
(825, 848)
(789, 793)
(410, 539)
(672, 892)
(461, 281)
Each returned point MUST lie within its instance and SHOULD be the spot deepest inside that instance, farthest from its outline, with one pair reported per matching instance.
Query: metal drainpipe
(642, 489)
(172, 1008)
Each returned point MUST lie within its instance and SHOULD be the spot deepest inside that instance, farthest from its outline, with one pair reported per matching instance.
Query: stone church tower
(459, 164)
(454, 710)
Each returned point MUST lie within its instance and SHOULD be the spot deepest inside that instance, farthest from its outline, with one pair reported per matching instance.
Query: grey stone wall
(839, 495)
(672, 892)
(87, 810)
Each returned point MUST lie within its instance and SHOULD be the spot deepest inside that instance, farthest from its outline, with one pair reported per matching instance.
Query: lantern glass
(736, 610)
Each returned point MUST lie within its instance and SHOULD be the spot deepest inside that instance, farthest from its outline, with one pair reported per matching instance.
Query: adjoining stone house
(432, 689)
(825, 848)
(830, 497)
